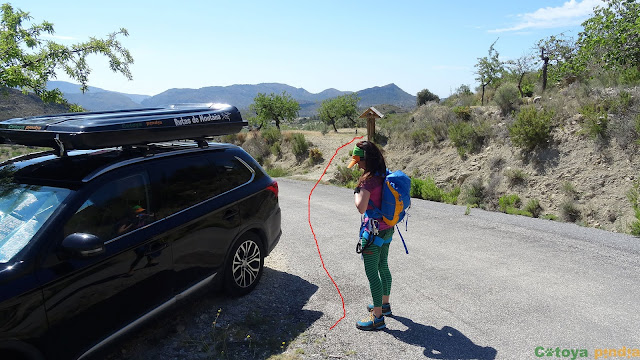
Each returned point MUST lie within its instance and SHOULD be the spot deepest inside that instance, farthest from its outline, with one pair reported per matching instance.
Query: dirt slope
(574, 169)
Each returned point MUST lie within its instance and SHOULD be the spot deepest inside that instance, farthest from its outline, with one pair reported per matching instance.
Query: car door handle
(230, 214)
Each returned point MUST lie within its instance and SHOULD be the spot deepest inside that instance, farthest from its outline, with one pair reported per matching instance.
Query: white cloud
(571, 13)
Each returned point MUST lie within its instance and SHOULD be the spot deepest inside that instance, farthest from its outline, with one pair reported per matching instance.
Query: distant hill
(97, 99)
(240, 96)
(13, 104)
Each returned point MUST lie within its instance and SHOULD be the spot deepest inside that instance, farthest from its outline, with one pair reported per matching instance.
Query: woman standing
(377, 235)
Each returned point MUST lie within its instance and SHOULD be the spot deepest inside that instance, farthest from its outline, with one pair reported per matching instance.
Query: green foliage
(509, 202)
(462, 112)
(595, 121)
(561, 52)
(508, 98)
(428, 190)
(271, 135)
(276, 149)
(424, 96)
(634, 198)
(533, 207)
(516, 176)
(489, 69)
(531, 128)
(300, 146)
(347, 177)
(474, 193)
(569, 190)
(277, 172)
(28, 62)
(610, 37)
(274, 107)
(342, 107)
(467, 137)
(570, 211)
(315, 155)
(420, 136)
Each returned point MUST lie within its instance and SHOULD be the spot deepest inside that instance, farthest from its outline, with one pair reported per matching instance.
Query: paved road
(479, 286)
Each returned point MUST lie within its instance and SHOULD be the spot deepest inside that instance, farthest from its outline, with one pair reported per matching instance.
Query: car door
(204, 223)
(89, 298)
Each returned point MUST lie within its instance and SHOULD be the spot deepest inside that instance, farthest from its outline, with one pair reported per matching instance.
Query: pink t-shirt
(374, 186)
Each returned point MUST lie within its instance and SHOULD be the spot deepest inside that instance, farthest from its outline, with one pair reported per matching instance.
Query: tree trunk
(544, 69)
(520, 85)
(482, 101)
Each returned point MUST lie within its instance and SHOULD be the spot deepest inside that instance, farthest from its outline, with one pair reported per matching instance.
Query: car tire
(244, 265)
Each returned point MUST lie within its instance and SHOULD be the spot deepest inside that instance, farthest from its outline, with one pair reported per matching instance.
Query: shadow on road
(254, 326)
(447, 343)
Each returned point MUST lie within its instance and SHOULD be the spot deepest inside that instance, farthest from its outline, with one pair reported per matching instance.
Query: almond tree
(27, 61)
(489, 68)
(274, 107)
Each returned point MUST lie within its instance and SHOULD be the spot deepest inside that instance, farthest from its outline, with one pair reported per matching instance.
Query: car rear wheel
(245, 265)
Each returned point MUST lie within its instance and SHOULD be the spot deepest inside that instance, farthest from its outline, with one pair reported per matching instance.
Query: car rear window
(186, 181)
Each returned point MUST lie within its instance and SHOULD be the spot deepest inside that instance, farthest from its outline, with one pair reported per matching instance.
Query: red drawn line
(344, 312)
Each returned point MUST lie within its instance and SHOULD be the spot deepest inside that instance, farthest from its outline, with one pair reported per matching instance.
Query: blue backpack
(396, 198)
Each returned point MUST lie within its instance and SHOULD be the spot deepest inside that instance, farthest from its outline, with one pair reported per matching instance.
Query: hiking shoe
(386, 309)
(371, 323)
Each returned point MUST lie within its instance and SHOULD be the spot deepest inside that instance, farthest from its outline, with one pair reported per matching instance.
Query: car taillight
(273, 188)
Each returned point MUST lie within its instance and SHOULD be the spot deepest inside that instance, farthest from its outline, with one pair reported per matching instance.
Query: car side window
(115, 208)
(187, 181)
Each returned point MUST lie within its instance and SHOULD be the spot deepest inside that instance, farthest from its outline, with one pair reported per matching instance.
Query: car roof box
(97, 130)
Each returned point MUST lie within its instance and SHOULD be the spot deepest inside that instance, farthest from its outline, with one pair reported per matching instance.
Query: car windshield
(23, 210)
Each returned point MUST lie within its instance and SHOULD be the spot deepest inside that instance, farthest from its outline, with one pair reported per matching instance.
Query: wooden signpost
(371, 114)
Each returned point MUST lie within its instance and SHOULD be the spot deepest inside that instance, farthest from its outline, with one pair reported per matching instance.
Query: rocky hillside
(13, 103)
(575, 178)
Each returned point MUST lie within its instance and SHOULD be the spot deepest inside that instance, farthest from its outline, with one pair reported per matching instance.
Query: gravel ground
(260, 325)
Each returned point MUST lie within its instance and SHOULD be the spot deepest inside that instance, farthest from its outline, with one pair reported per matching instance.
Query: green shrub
(271, 135)
(463, 112)
(424, 96)
(276, 149)
(465, 138)
(531, 128)
(509, 202)
(507, 98)
(570, 211)
(347, 177)
(419, 136)
(527, 89)
(569, 190)
(474, 193)
(595, 121)
(533, 207)
(428, 190)
(516, 176)
(276, 172)
(315, 155)
(634, 198)
(299, 144)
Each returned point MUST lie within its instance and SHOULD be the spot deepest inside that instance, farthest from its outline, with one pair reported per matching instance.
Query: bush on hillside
(299, 144)
(507, 98)
(532, 128)
(424, 96)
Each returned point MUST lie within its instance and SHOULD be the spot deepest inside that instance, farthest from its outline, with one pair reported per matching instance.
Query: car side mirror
(83, 245)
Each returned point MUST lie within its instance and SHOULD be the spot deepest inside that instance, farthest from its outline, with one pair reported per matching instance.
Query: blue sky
(346, 45)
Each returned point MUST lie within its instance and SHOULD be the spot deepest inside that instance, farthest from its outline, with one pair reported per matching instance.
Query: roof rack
(102, 129)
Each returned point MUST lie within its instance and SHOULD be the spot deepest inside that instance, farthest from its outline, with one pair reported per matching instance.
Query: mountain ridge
(239, 95)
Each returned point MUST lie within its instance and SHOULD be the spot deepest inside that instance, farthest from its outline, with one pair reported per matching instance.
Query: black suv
(94, 241)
